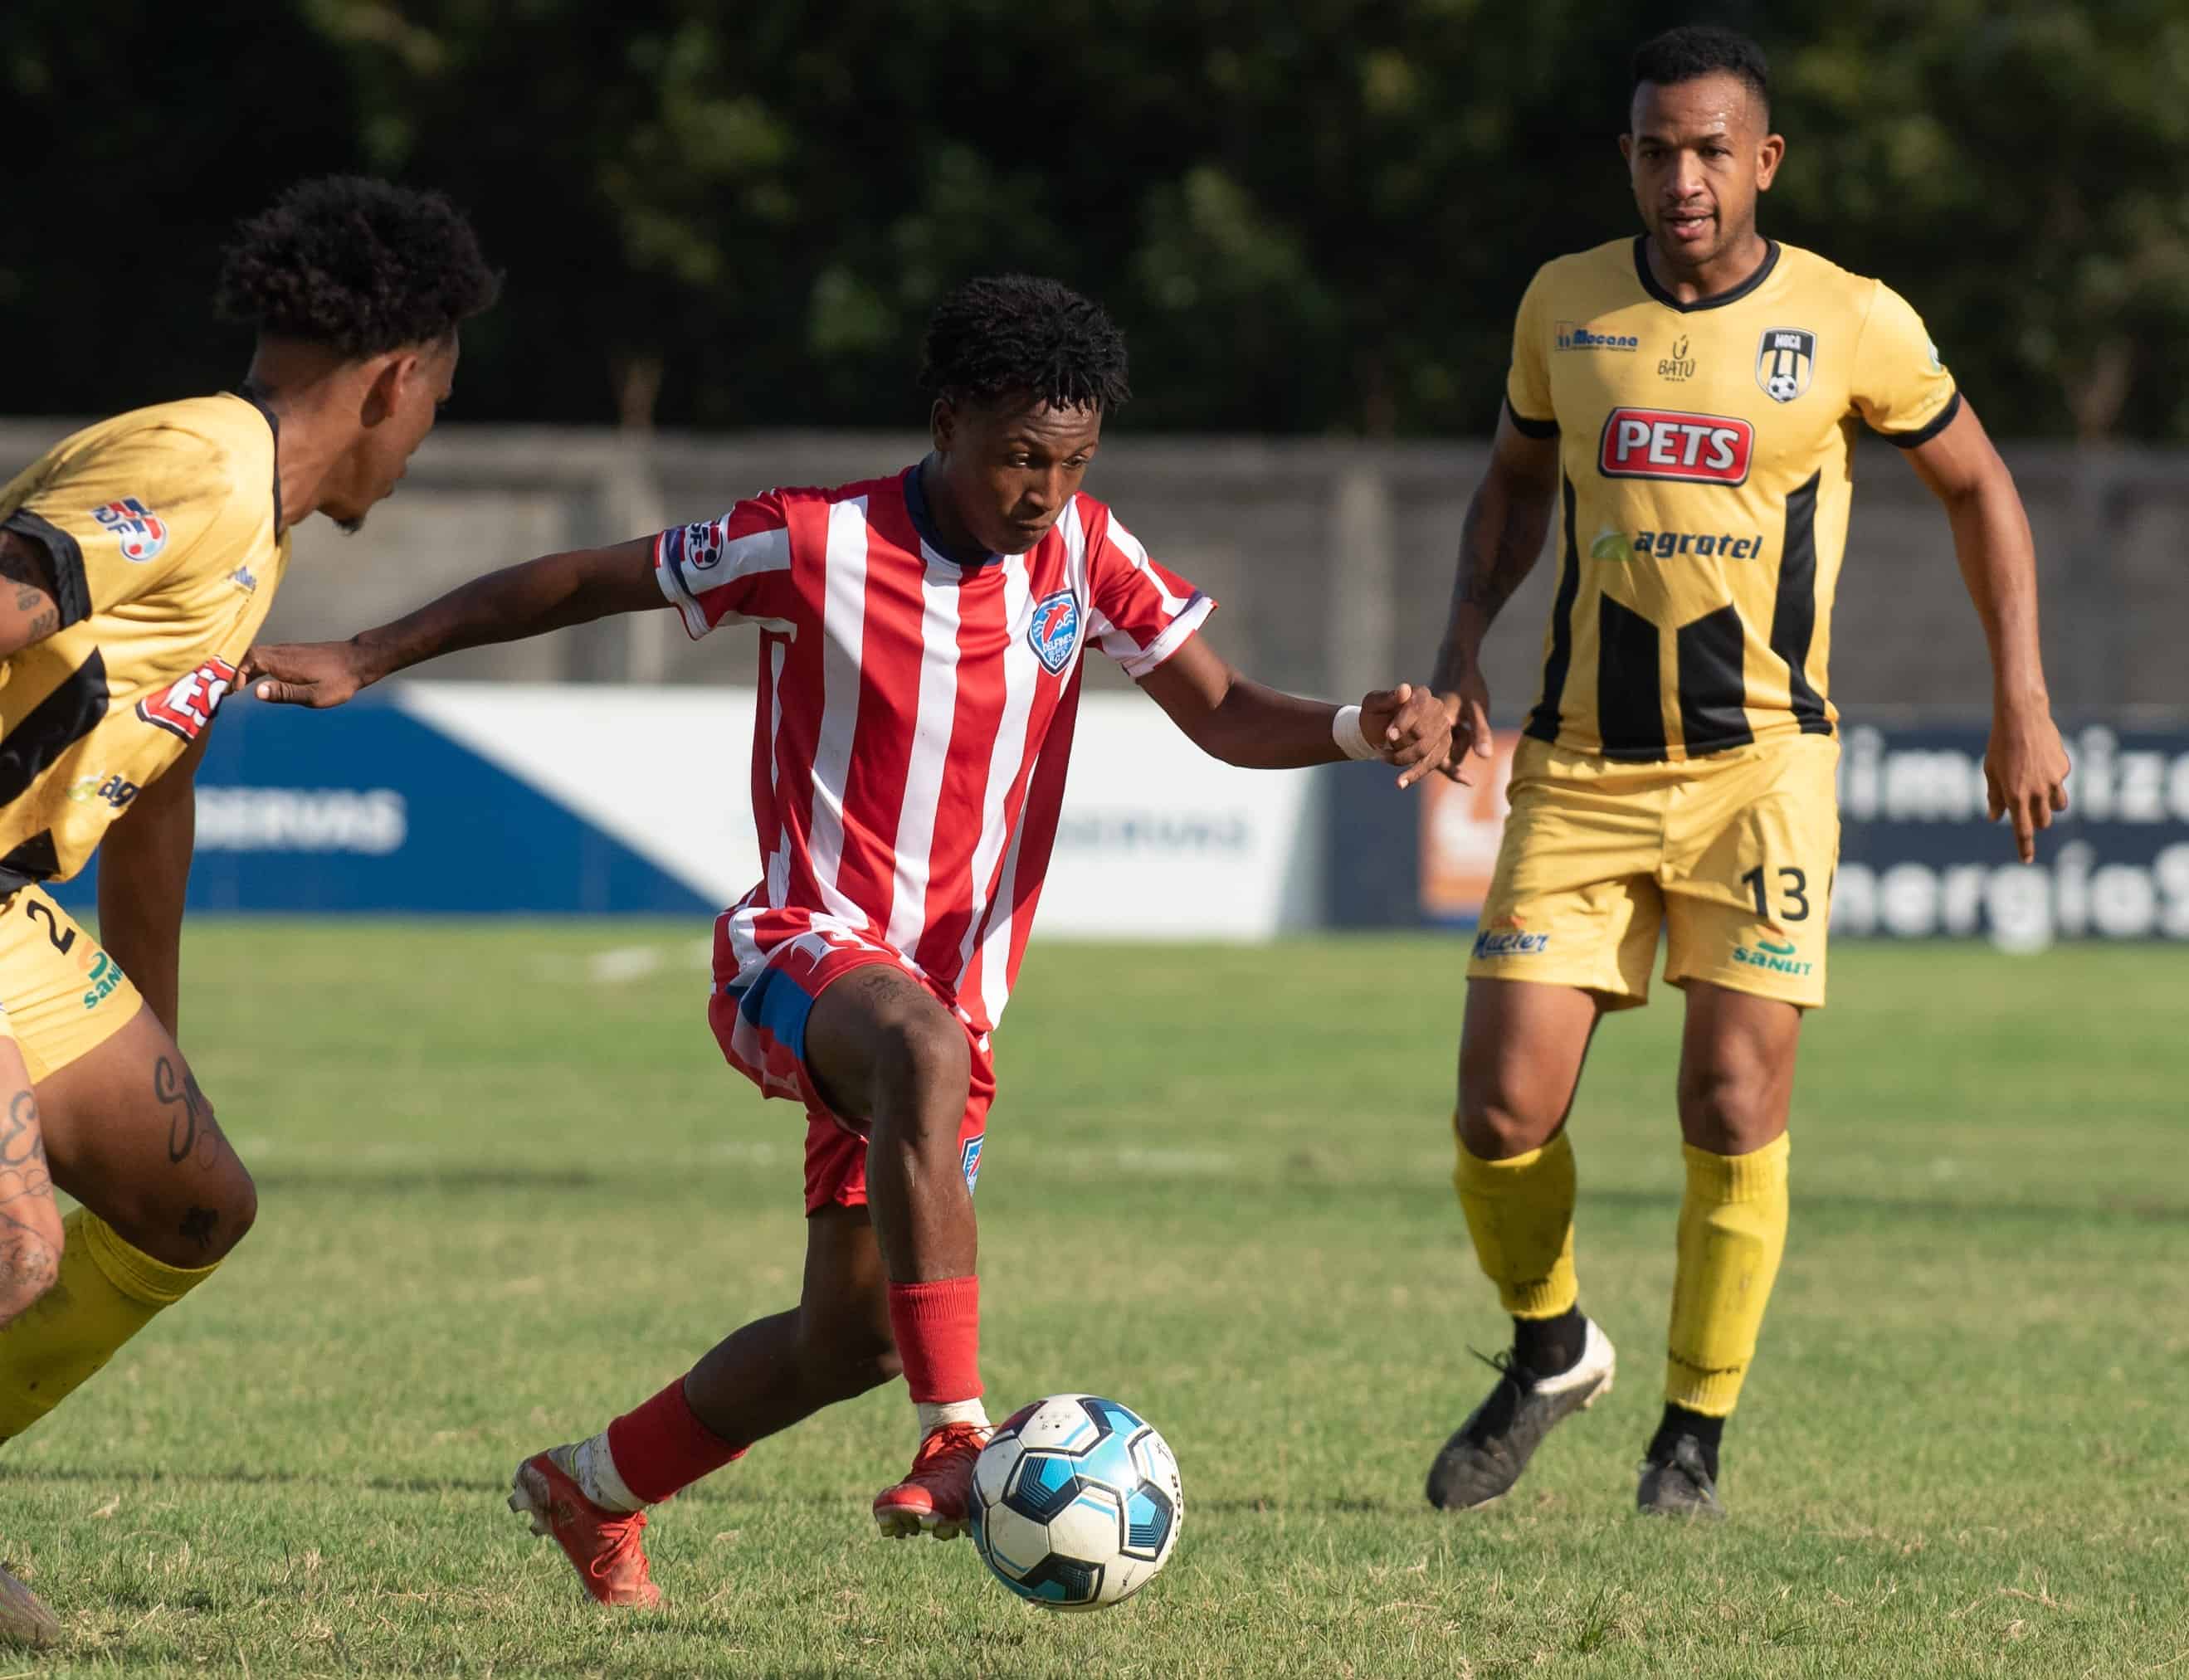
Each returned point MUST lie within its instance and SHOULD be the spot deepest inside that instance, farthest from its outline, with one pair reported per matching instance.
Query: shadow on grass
(483, 1179)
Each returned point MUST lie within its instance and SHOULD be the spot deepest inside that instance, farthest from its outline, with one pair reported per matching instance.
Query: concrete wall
(1332, 559)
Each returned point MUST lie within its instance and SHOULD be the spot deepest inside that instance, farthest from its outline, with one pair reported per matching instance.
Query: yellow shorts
(1732, 854)
(61, 997)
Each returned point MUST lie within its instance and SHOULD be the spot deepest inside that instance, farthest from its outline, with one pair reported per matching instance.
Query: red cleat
(935, 1497)
(604, 1547)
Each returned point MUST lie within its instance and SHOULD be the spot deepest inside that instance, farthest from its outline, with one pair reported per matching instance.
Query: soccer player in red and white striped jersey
(920, 640)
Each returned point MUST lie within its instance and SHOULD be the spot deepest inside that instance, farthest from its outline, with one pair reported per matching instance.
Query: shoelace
(949, 1441)
(623, 1534)
(1489, 1417)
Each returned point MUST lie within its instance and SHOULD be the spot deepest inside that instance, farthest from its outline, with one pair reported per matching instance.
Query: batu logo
(1055, 629)
(187, 705)
(1692, 449)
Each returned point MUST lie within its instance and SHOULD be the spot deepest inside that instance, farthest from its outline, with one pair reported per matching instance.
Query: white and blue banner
(1919, 858)
(595, 799)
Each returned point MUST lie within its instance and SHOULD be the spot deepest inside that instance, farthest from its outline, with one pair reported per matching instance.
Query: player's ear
(1768, 156)
(386, 377)
(943, 425)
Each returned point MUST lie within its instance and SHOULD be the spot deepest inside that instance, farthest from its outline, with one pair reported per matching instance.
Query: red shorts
(760, 1021)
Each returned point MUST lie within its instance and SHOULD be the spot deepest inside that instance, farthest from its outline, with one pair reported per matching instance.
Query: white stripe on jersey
(843, 634)
(1022, 672)
(996, 947)
(930, 748)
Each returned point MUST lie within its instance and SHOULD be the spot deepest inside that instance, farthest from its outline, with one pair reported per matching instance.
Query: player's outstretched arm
(1258, 728)
(2025, 765)
(1506, 524)
(550, 593)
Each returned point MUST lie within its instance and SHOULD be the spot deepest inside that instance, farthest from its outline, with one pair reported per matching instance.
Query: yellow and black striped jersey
(1706, 451)
(163, 530)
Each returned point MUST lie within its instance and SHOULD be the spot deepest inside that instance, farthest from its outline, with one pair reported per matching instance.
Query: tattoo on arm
(199, 1224)
(1487, 579)
(24, 564)
(191, 1129)
(24, 1176)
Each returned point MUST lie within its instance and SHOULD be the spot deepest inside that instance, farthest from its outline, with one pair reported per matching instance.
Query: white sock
(598, 1479)
(933, 1414)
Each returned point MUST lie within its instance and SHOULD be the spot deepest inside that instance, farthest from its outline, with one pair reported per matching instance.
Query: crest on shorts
(1785, 358)
(969, 1162)
(1055, 631)
(140, 531)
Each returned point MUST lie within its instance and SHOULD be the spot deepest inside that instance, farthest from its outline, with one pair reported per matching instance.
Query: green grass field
(508, 1189)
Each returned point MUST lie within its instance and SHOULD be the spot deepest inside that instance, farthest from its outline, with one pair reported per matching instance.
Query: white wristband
(1345, 730)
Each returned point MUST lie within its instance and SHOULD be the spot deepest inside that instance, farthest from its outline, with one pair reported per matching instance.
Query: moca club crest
(1784, 361)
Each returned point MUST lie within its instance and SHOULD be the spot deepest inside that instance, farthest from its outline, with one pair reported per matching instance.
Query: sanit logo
(1679, 366)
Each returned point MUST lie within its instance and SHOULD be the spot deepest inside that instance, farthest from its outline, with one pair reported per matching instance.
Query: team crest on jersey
(1785, 358)
(969, 1162)
(187, 705)
(140, 531)
(1055, 631)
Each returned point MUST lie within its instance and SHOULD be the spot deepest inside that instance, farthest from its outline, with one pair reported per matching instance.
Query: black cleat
(1479, 1464)
(1677, 1482)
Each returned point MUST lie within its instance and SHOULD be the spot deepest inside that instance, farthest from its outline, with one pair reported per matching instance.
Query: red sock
(938, 1338)
(662, 1445)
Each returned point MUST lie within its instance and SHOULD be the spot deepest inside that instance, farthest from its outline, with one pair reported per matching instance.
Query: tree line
(1311, 216)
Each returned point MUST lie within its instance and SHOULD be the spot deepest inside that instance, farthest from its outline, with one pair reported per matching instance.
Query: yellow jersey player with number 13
(1685, 406)
(139, 559)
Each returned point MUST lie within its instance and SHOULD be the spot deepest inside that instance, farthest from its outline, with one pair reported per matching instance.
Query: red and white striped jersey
(915, 714)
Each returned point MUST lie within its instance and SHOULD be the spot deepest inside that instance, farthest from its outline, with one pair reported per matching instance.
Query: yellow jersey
(163, 529)
(1707, 457)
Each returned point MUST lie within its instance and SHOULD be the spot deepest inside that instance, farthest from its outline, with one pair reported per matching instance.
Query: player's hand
(1407, 727)
(1467, 706)
(304, 673)
(2025, 774)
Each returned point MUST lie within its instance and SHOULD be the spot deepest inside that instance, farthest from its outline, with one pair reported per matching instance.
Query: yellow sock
(1519, 1212)
(1733, 1230)
(105, 1293)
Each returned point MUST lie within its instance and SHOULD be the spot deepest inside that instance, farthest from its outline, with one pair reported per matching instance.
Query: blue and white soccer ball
(1076, 1502)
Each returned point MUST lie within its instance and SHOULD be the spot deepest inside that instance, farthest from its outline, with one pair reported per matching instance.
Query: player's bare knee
(924, 1071)
(1499, 1117)
(1727, 1109)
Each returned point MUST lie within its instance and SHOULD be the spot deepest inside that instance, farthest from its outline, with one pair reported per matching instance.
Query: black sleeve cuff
(1527, 428)
(1939, 422)
(71, 594)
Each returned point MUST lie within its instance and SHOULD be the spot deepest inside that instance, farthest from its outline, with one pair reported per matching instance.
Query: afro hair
(1012, 334)
(357, 265)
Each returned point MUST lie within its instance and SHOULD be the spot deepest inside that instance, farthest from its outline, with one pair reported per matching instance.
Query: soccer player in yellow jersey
(1687, 403)
(137, 559)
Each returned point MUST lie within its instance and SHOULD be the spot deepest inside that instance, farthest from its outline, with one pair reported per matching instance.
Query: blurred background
(722, 225)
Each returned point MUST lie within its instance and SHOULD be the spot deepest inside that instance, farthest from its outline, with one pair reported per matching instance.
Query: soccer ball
(1076, 1502)
(1782, 387)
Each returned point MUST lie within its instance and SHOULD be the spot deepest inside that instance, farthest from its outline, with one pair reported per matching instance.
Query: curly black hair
(359, 265)
(1009, 335)
(1696, 50)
